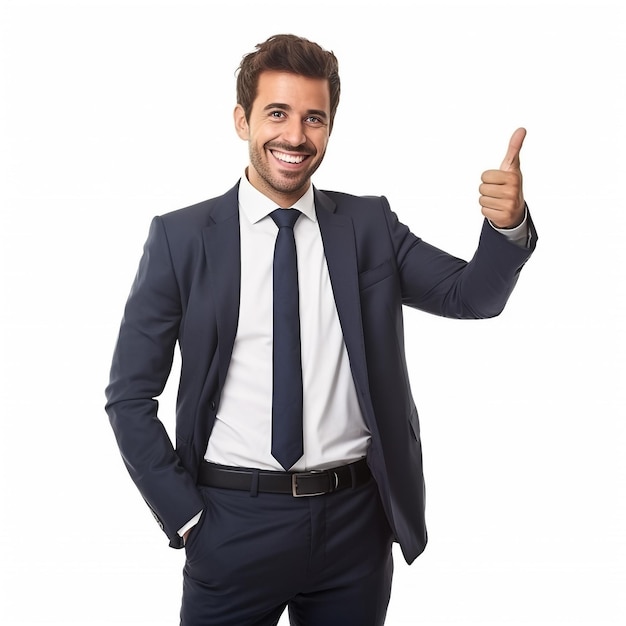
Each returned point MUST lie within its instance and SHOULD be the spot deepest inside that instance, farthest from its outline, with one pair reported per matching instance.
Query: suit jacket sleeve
(141, 365)
(439, 283)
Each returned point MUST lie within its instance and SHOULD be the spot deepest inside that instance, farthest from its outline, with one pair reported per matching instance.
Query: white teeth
(288, 158)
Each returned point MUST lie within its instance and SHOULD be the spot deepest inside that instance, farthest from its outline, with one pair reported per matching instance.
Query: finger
(498, 177)
(497, 191)
(511, 160)
(502, 205)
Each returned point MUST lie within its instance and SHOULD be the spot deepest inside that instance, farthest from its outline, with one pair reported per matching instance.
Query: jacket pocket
(375, 275)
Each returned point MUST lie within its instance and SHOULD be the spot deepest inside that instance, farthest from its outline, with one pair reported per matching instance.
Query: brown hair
(287, 53)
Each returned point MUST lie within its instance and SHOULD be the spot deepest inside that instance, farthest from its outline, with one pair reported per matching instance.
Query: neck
(282, 199)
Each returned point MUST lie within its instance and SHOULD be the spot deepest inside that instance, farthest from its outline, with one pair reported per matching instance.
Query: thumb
(511, 160)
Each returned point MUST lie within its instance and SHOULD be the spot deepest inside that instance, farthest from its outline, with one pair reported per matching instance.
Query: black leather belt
(297, 484)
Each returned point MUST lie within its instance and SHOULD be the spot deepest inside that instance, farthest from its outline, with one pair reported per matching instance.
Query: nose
(293, 132)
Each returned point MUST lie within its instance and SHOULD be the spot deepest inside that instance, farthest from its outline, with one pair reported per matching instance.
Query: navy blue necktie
(287, 446)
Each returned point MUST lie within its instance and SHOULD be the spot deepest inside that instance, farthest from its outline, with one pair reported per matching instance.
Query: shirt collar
(256, 205)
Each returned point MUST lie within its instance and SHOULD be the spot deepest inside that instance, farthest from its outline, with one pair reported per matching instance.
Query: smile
(289, 158)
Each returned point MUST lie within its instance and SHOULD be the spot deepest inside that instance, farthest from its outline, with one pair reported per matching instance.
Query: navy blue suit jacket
(187, 290)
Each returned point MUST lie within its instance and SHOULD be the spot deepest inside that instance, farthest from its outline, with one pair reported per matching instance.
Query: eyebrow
(286, 107)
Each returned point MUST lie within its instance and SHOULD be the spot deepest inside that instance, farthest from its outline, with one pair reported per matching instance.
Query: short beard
(283, 185)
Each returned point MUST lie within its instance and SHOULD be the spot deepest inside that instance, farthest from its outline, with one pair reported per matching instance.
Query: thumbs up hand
(502, 198)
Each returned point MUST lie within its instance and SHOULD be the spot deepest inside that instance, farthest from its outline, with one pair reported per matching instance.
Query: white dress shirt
(333, 427)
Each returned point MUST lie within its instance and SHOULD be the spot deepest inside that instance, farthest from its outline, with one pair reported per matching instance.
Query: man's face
(287, 134)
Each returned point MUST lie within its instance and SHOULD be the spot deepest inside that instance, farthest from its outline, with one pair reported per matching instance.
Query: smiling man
(297, 460)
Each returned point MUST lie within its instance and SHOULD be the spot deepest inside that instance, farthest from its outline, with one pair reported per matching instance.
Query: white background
(112, 112)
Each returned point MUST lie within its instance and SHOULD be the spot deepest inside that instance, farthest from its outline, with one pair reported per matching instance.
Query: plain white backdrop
(112, 112)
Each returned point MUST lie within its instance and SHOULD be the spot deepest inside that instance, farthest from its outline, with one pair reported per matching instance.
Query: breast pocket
(375, 274)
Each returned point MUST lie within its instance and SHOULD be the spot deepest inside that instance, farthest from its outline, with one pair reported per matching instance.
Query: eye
(277, 115)
(314, 120)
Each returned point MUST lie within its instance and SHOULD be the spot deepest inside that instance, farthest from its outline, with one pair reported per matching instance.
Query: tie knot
(285, 217)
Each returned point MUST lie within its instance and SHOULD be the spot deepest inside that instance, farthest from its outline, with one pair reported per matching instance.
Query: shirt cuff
(190, 524)
(517, 235)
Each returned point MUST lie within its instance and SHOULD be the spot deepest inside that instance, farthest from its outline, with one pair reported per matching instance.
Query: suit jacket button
(213, 405)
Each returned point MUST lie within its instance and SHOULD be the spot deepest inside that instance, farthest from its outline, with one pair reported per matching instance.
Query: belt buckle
(294, 484)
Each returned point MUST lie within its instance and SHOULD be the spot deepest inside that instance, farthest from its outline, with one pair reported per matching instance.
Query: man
(347, 434)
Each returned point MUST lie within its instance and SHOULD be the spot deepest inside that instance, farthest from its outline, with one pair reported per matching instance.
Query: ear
(241, 124)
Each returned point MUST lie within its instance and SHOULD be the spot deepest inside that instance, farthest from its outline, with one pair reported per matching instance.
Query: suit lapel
(222, 247)
(341, 257)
